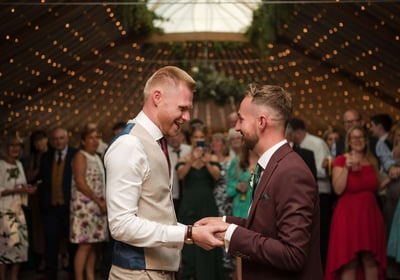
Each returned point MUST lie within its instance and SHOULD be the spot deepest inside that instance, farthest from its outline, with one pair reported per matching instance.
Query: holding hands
(209, 232)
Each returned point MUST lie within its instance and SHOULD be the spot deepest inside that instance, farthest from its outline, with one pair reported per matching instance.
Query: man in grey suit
(280, 237)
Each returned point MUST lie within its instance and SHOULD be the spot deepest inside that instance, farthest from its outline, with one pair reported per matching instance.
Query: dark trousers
(325, 202)
(56, 221)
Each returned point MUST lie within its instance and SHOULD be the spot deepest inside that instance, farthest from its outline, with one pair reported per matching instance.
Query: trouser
(119, 273)
(56, 220)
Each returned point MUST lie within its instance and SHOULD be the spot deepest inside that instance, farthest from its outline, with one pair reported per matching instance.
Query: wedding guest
(177, 149)
(55, 195)
(317, 145)
(232, 119)
(240, 171)
(199, 172)
(235, 140)
(357, 238)
(396, 142)
(239, 174)
(380, 128)
(306, 154)
(38, 146)
(331, 136)
(118, 127)
(102, 146)
(88, 219)
(352, 117)
(391, 211)
(14, 192)
(219, 147)
(393, 248)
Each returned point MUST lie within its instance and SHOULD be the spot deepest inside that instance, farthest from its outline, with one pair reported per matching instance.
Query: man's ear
(156, 97)
(262, 122)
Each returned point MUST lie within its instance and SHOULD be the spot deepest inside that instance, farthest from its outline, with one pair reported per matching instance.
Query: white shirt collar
(266, 156)
(63, 153)
(151, 128)
(384, 136)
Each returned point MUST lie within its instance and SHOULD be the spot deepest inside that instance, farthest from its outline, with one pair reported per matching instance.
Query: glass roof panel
(204, 15)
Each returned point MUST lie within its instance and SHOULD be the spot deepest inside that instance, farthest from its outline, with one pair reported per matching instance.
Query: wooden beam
(197, 36)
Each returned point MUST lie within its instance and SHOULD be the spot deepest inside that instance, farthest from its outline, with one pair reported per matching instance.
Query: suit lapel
(265, 178)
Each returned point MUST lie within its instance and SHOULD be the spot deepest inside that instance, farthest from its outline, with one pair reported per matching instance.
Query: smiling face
(356, 140)
(175, 104)
(168, 99)
(90, 143)
(332, 138)
(247, 123)
(351, 118)
(14, 149)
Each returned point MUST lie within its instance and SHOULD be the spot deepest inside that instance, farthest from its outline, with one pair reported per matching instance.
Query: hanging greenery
(138, 19)
(213, 86)
(266, 23)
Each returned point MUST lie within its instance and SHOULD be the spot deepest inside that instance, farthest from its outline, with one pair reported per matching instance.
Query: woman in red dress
(357, 244)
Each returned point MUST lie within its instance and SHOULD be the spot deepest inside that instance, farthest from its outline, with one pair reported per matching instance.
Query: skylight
(203, 16)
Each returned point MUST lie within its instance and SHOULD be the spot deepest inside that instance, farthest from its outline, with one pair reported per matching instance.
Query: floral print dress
(88, 223)
(13, 229)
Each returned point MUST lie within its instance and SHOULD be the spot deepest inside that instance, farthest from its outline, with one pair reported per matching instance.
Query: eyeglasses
(352, 121)
(353, 138)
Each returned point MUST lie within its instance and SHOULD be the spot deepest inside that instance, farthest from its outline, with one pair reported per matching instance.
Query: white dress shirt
(123, 189)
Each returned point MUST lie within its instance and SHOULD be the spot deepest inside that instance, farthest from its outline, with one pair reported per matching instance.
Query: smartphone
(201, 143)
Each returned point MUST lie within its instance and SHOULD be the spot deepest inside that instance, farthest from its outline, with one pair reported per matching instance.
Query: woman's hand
(241, 187)
(101, 203)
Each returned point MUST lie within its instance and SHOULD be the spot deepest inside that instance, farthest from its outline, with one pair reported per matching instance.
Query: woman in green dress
(199, 172)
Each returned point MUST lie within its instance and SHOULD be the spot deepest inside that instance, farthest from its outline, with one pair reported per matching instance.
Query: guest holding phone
(199, 172)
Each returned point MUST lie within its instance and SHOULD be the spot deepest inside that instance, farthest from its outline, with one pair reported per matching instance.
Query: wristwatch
(188, 239)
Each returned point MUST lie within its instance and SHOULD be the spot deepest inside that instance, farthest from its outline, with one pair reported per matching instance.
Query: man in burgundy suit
(280, 237)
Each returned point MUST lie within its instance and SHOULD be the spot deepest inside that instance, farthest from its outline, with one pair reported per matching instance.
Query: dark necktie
(256, 178)
(164, 147)
(59, 157)
(178, 153)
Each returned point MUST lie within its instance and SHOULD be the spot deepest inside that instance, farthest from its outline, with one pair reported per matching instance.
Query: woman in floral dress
(13, 194)
(88, 209)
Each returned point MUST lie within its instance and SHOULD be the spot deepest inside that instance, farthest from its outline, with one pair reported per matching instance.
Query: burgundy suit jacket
(280, 238)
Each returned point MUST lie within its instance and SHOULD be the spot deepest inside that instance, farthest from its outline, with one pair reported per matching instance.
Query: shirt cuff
(228, 235)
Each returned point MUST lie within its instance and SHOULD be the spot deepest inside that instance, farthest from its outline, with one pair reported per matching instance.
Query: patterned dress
(88, 223)
(224, 202)
(13, 229)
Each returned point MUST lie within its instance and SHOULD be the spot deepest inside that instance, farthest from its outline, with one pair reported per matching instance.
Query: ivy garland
(212, 85)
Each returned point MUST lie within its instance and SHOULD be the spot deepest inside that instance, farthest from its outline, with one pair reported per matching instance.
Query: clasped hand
(209, 232)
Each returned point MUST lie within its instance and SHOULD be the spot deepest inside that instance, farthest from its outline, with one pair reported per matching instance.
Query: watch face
(189, 241)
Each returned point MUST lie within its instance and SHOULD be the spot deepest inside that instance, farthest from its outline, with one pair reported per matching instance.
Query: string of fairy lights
(66, 65)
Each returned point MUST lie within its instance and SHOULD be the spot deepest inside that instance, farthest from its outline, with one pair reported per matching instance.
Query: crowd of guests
(53, 198)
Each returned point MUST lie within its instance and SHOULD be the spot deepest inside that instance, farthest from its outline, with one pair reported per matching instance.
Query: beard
(250, 141)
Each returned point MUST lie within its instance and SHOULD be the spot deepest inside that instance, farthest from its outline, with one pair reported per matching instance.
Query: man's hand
(211, 221)
(209, 236)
